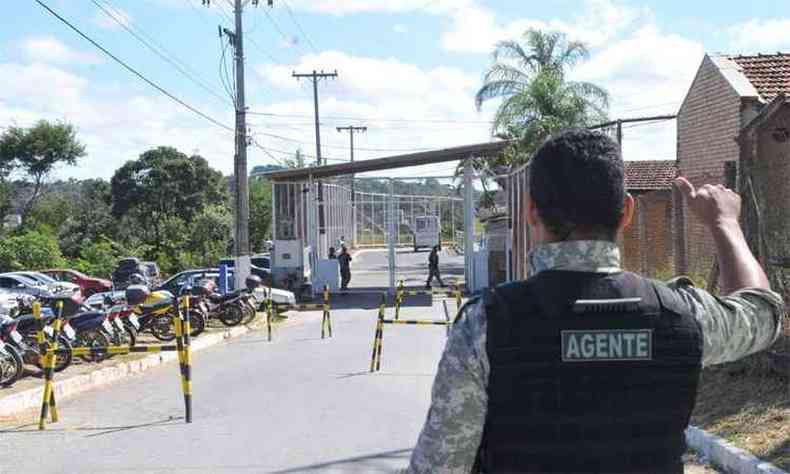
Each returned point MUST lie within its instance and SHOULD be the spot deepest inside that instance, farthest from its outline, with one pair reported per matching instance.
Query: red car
(88, 285)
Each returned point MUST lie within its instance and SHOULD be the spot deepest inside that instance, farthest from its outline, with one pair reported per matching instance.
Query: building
(727, 94)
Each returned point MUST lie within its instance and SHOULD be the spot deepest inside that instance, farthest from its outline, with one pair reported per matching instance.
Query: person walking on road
(585, 367)
(433, 267)
(344, 259)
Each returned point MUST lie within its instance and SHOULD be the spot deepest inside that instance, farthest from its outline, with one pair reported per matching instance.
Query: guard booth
(314, 209)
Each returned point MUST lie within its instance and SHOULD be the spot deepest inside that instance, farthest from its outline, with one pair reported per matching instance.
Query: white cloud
(400, 28)
(348, 7)
(113, 19)
(51, 50)
(375, 89)
(116, 122)
(764, 36)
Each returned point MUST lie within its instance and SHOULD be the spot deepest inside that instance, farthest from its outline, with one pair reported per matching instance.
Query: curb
(68, 387)
(724, 455)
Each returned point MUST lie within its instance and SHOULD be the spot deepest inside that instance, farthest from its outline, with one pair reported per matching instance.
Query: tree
(30, 250)
(37, 151)
(161, 189)
(537, 98)
(260, 211)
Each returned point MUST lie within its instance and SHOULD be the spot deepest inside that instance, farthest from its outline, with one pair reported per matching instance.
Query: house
(726, 96)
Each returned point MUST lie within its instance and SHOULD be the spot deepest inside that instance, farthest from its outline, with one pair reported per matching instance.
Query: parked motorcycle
(11, 365)
(156, 315)
(234, 307)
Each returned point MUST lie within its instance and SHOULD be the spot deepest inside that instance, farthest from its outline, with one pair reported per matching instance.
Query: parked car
(22, 284)
(192, 277)
(55, 287)
(260, 265)
(131, 265)
(88, 285)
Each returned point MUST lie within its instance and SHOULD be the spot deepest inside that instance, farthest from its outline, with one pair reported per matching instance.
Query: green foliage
(260, 213)
(537, 98)
(36, 151)
(98, 258)
(30, 250)
(209, 237)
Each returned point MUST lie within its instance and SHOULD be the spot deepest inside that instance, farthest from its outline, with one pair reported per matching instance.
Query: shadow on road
(377, 462)
(101, 430)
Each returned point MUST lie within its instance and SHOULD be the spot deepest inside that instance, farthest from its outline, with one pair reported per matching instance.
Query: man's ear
(532, 213)
(628, 212)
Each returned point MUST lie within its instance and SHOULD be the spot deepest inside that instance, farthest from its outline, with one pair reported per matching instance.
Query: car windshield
(39, 277)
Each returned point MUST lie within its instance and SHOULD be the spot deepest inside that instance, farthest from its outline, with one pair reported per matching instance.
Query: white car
(54, 286)
(9, 301)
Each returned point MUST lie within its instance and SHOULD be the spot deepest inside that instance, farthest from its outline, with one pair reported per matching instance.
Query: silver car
(54, 286)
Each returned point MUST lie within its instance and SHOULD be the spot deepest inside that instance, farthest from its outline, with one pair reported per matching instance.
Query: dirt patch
(748, 408)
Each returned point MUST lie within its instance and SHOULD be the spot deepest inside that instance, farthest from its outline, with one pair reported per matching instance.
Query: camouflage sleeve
(451, 435)
(736, 325)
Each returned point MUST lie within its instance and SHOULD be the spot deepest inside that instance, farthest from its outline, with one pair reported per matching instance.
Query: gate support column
(392, 235)
(469, 226)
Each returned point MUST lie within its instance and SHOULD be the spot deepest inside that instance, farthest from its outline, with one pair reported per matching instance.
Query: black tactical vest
(581, 385)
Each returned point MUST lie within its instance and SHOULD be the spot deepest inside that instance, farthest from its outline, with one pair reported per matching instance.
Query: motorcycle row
(119, 321)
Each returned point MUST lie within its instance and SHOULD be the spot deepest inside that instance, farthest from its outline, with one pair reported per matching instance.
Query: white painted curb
(725, 456)
(68, 387)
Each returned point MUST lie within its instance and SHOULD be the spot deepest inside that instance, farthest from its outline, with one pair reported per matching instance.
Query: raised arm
(718, 209)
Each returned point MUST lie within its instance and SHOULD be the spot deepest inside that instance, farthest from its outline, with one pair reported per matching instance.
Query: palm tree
(537, 100)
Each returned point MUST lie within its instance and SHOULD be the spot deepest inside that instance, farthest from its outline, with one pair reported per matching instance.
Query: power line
(288, 39)
(164, 53)
(372, 119)
(293, 18)
(295, 140)
(132, 70)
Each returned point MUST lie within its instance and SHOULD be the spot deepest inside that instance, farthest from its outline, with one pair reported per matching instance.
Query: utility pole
(241, 242)
(351, 129)
(315, 77)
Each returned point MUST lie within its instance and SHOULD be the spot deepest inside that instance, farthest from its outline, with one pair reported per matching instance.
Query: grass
(747, 407)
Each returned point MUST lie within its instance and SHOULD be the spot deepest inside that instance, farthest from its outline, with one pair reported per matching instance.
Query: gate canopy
(489, 149)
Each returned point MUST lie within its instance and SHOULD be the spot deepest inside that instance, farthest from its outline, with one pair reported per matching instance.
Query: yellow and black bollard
(48, 358)
(184, 356)
(398, 299)
(458, 299)
(375, 359)
(326, 321)
(446, 316)
(269, 314)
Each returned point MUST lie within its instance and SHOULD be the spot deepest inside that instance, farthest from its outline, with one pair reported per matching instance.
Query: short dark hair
(576, 179)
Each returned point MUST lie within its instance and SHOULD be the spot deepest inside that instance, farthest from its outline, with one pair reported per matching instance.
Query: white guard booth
(327, 273)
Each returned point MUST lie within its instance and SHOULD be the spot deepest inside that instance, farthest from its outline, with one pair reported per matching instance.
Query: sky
(407, 69)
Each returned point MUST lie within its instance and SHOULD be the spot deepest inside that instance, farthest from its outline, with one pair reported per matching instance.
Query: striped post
(398, 299)
(48, 357)
(458, 299)
(381, 332)
(187, 377)
(377, 335)
(326, 318)
(269, 316)
(179, 326)
(425, 322)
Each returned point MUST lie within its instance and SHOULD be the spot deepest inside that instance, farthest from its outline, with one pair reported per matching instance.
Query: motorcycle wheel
(10, 366)
(62, 359)
(131, 335)
(232, 315)
(249, 311)
(162, 328)
(93, 338)
(197, 322)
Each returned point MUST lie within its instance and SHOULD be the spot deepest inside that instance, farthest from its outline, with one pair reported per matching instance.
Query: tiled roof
(768, 73)
(650, 174)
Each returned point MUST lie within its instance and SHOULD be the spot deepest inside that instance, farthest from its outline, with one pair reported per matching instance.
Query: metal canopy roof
(391, 162)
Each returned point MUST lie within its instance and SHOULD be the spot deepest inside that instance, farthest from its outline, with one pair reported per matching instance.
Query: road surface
(297, 404)
(370, 268)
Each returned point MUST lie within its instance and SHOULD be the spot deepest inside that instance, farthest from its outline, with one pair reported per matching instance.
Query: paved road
(297, 404)
(370, 267)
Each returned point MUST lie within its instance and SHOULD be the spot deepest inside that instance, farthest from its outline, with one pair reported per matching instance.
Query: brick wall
(707, 124)
(647, 243)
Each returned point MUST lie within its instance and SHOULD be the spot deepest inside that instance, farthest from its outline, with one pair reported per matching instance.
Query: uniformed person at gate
(584, 367)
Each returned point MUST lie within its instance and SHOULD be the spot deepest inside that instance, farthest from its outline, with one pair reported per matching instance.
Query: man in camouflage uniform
(513, 391)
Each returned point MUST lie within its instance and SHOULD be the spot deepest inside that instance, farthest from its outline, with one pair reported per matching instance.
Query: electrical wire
(299, 26)
(294, 140)
(372, 119)
(160, 51)
(288, 40)
(132, 70)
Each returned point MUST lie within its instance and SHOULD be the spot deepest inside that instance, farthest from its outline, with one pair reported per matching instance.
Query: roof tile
(650, 175)
(769, 73)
